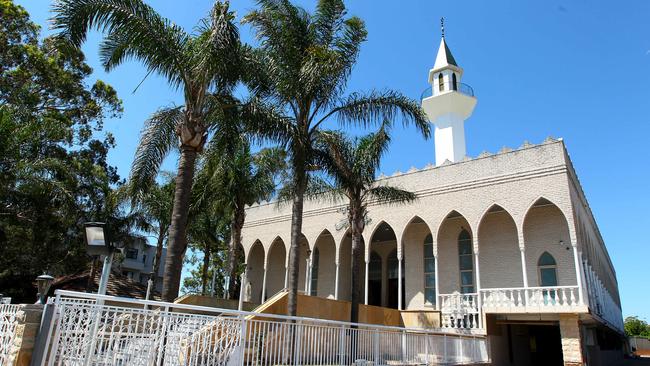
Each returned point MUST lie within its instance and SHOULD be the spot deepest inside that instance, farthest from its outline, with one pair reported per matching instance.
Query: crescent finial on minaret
(442, 26)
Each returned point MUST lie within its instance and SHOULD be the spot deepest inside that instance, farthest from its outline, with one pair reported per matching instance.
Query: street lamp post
(43, 283)
(99, 243)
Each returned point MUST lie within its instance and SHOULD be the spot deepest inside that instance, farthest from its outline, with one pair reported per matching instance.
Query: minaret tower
(448, 105)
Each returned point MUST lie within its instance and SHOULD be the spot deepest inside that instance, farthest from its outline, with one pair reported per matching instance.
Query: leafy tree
(304, 63)
(353, 165)
(209, 230)
(234, 177)
(54, 175)
(155, 206)
(636, 327)
(203, 65)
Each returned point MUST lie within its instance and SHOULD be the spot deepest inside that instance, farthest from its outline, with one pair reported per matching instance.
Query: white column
(522, 252)
(399, 283)
(576, 262)
(435, 258)
(264, 286)
(307, 276)
(365, 288)
(478, 288)
(286, 276)
(242, 289)
(524, 271)
(336, 282)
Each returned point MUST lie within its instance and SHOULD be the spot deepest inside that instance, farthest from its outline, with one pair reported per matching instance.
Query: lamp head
(43, 283)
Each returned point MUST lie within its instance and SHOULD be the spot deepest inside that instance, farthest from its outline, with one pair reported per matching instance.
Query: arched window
(441, 83)
(547, 270)
(429, 272)
(466, 264)
(454, 82)
(314, 273)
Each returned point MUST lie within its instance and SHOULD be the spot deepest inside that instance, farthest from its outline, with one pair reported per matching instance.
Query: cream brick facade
(516, 205)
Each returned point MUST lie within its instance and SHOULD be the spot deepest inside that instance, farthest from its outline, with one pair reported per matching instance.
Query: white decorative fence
(100, 330)
(531, 299)
(460, 311)
(7, 330)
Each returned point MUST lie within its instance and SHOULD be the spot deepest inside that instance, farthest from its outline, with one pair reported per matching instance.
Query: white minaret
(449, 105)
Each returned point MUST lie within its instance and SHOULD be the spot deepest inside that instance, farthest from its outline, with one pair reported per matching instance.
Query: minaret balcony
(447, 88)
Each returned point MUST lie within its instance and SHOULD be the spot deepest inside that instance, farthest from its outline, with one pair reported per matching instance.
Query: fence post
(342, 346)
(243, 334)
(376, 348)
(444, 343)
(44, 335)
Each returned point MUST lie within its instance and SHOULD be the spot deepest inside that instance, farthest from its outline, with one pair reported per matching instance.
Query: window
(466, 264)
(547, 270)
(144, 259)
(131, 253)
(314, 273)
(429, 272)
(441, 83)
(454, 82)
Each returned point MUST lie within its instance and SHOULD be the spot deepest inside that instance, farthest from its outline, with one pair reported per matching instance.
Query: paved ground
(638, 362)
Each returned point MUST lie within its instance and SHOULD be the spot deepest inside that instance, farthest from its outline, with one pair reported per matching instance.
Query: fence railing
(460, 311)
(601, 301)
(7, 330)
(446, 87)
(115, 331)
(529, 299)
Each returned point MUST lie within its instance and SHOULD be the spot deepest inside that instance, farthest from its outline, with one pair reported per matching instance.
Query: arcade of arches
(462, 259)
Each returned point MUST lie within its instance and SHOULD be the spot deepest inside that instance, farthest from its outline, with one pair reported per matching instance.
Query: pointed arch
(250, 249)
(547, 270)
(453, 235)
(323, 274)
(498, 243)
(255, 260)
(275, 267)
(418, 255)
(545, 228)
(441, 83)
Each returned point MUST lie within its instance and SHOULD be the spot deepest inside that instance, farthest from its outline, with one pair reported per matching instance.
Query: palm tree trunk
(204, 272)
(156, 259)
(296, 232)
(177, 230)
(235, 242)
(356, 227)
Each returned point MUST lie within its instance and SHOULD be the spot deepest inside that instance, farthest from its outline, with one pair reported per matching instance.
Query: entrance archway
(383, 243)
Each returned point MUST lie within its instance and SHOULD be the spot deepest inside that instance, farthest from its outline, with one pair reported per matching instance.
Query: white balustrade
(601, 301)
(136, 332)
(531, 299)
(7, 330)
(459, 311)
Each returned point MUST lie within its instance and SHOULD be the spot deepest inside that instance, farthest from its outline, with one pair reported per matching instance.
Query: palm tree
(235, 177)
(353, 166)
(155, 204)
(304, 62)
(196, 64)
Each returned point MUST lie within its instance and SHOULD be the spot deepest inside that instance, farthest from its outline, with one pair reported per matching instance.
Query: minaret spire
(449, 104)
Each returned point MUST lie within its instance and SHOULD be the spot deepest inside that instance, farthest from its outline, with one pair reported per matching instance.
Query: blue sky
(573, 69)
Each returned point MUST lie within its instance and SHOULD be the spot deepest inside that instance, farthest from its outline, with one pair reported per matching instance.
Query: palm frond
(133, 30)
(158, 137)
(391, 195)
(378, 107)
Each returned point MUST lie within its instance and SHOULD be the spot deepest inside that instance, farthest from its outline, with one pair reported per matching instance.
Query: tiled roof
(118, 285)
